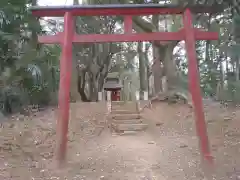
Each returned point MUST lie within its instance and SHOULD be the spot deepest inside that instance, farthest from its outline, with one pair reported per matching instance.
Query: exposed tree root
(171, 97)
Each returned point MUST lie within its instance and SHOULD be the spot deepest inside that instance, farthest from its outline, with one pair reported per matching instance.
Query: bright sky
(54, 2)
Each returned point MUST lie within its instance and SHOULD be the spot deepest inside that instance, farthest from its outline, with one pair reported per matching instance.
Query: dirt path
(168, 150)
(118, 157)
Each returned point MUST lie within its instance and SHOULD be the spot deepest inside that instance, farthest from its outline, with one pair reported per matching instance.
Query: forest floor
(168, 150)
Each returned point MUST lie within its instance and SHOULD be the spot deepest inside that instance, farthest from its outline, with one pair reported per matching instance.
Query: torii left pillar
(64, 87)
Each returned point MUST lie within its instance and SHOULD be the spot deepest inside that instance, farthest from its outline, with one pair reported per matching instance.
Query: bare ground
(168, 150)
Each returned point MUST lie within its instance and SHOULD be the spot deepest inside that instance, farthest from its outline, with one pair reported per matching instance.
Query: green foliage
(235, 50)
(236, 29)
(231, 92)
(28, 72)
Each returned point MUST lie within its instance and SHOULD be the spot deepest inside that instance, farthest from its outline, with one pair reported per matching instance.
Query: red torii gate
(68, 37)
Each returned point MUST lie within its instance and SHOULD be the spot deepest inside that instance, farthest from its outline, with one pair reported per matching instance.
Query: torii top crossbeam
(120, 9)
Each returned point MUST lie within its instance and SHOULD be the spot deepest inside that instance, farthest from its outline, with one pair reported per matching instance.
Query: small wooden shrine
(113, 85)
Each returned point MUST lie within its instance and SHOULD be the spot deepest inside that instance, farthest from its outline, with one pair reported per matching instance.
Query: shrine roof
(113, 75)
(121, 9)
(111, 85)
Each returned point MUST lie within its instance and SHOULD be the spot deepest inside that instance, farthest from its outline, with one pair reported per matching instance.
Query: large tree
(27, 70)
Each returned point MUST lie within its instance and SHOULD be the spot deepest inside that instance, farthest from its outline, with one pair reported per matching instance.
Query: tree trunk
(156, 71)
(142, 70)
(156, 68)
(221, 72)
(81, 86)
(34, 38)
(75, 79)
(93, 91)
(237, 69)
(93, 88)
(170, 70)
(100, 83)
(74, 93)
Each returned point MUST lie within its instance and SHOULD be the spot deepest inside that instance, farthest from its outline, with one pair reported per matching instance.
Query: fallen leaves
(27, 142)
(31, 138)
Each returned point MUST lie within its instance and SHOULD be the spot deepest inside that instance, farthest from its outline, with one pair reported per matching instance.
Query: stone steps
(129, 127)
(124, 106)
(128, 121)
(117, 111)
(125, 117)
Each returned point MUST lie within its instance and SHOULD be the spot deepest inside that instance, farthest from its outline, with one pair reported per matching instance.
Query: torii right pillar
(194, 85)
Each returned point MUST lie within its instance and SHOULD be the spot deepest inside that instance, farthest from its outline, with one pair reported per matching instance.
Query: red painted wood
(64, 87)
(115, 95)
(123, 9)
(111, 89)
(157, 36)
(106, 11)
(194, 85)
(128, 24)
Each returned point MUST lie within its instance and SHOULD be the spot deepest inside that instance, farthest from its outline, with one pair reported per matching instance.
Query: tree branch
(144, 25)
